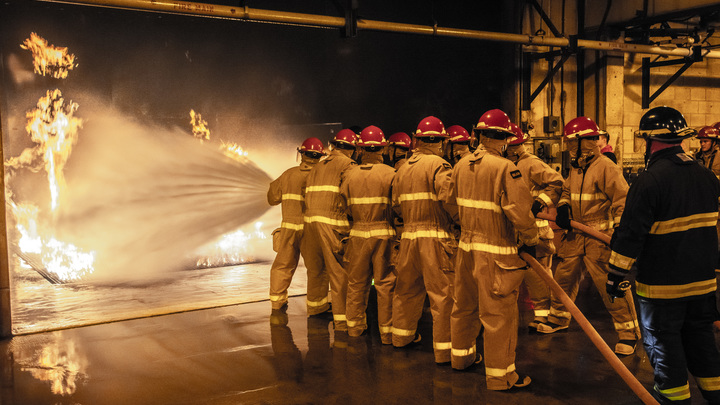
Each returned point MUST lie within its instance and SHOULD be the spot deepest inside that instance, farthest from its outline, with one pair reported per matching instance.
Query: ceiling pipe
(323, 21)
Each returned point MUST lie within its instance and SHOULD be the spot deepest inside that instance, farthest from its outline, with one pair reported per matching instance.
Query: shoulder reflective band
(425, 234)
(332, 189)
(676, 291)
(623, 262)
(483, 205)
(486, 247)
(417, 196)
(372, 233)
(685, 223)
(326, 220)
(369, 200)
(297, 197)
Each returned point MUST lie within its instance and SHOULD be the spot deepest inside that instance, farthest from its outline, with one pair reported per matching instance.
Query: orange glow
(199, 126)
(48, 59)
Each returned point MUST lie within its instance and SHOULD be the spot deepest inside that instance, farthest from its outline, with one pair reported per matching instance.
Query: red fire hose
(597, 340)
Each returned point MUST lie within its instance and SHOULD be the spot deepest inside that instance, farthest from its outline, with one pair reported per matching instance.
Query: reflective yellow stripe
(676, 291)
(499, 372)
(352, 324)
(289, 225)
(326, 220)
(544, 198)
(685, 223)
(587, 196)
(488, 248)
(281, 297)
(332, 189)
(675, 394)
(623, 262)
(626, 325)
(463, 352)
(541, 312)
(417, 196)
(542, 223)
(339, 317)
(425, 234)
(317, 303)
(369, 200)
(708, 383)
(483, 205)
(386, 329)
(372, 233)
(403, 332)
(297, 197)
(442, 345)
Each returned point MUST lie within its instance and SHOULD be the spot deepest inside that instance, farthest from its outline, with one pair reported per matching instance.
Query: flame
(233, 248)
(49, 59)
(63, 367)
(199, 126)
(233, 150)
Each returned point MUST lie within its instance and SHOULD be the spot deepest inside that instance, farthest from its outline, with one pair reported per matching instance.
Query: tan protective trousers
(595, 260)
(486, 294)
(322, 252)
(368, 259)
(419, 272)
(286, 242)
(537, 288)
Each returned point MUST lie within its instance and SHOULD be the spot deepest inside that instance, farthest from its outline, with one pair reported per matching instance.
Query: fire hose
(586, 326)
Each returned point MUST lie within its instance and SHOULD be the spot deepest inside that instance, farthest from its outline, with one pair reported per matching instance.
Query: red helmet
(458, 134)
(400, 140)
(312, 145)
(709, 132)
(495, 124)
(716, 125)
(581, 127)
(371, 136)
(520, 137)
(431, 127)
(345, 137)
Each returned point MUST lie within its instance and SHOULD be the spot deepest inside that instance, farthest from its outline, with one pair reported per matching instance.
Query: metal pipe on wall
(315, 20)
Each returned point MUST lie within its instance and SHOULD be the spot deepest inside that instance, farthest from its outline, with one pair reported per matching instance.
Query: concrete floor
(241, 354)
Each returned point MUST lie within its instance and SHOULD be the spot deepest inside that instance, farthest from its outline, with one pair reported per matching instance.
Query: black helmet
(664, 124)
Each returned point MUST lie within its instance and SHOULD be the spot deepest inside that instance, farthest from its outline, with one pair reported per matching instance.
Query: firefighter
(494, 211)
(326, 225)
(398, 148)
(593, 194)
(426, 243)
(288, 190)
(366, 189)
(545, 186)
(458, 144)
(709, 146)
(668, 233)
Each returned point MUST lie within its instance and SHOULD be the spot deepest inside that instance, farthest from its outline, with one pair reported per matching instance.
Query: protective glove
(562, 219)
(537, 207)
(613, 286)
(527, 249)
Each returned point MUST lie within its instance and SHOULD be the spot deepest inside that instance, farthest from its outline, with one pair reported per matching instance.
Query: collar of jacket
(478, 155)
(676, 154)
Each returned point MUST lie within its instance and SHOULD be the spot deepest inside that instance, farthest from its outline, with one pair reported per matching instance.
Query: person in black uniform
(668, 232)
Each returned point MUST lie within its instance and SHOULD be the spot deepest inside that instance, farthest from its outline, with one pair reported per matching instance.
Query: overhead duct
(320, 21)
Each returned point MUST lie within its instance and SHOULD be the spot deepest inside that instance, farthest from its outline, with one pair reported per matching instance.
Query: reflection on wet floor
(247, 354)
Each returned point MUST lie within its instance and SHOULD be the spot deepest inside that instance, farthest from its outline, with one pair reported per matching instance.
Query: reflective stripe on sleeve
(587, 196)
(372, 233)
(542, 223)
(326, 220)
(369, 200)
(499, 372)
(488, 248)
(296, 197)
(684, 223)
(544, 198)
(417, 196)
(675, 394)
(332, 189)
(623, 262)
(425, 234)
(483, 205)
(676, 291)
(708, 383)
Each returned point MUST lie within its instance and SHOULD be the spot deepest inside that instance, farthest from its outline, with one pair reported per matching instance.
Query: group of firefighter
(446, 214)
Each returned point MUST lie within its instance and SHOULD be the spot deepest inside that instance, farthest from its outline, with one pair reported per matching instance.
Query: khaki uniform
(494, 206)
(366, 189)
(426, 246)
(597, 198)
(545, 184)
(287, 189)
(326, 225)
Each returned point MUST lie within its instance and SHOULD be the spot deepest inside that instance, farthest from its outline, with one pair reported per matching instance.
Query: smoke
(145, 198)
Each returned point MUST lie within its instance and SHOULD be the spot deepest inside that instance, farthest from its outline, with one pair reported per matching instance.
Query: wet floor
(240, 354)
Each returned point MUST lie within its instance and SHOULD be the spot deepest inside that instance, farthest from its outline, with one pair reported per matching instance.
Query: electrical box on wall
(551, 124)
(549, 150)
